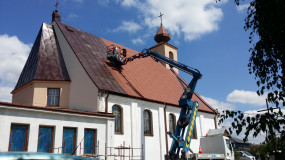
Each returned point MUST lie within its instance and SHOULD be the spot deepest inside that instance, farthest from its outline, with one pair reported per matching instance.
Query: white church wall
(133, 126)
(127, 137)
(58, 120)
(83, 92)
(152, 143)
(154, 146)
(208, 122)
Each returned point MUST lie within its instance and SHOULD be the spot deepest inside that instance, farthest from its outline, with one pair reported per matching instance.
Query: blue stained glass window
(18, 138)
(53, 97)
(68, 143)
(89, 141)
(45, 139)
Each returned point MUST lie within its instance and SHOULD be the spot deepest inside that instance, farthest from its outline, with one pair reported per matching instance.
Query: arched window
(147, 117)
(171, 55)
(118, 112)
(172, 123)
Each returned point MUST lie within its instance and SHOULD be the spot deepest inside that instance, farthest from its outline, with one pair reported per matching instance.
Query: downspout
(215, 120)
(106, 103)
(165, 127)
(107, 140)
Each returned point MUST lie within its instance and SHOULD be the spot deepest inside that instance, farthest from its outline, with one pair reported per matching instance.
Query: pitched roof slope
(90, 51)
(143, 78)
(45, 61)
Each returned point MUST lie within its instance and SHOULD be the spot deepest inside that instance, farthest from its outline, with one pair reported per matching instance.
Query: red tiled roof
(143, 78)
(58, 109)
(147, 79)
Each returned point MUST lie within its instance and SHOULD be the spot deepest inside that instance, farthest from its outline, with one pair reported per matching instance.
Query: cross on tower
(160, 18)
(56, 4)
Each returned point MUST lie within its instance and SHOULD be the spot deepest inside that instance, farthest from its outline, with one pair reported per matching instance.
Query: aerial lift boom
(189, 108)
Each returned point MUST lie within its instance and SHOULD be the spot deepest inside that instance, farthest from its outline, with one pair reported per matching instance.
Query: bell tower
(55, 14)
(163, 47)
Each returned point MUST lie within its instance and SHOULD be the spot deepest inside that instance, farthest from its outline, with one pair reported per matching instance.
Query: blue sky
(209, 36)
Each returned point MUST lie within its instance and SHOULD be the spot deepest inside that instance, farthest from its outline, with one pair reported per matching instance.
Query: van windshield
(228, 142)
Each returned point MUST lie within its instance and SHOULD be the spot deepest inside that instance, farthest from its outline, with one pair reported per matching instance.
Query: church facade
(70, 99)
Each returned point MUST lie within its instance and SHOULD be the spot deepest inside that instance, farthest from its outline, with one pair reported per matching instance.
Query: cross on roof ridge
(56, 4)
(160, 18)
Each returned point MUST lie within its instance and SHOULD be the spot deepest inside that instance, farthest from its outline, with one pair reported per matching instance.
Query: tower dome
(56, 16)
(162, 35)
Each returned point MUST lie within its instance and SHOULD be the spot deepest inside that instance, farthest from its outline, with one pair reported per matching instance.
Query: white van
(216, 147)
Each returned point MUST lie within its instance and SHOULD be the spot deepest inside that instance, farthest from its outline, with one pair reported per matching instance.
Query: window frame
(121, 119)
(52, 138)
(59, 90)
(26, 136)
(150, 121)
(174, 122)
(74, 139)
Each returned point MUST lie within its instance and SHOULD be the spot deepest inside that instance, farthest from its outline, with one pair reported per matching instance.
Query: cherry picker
(189, 109)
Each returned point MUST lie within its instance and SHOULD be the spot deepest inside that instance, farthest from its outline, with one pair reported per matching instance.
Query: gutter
(215, 120)
(57, 111)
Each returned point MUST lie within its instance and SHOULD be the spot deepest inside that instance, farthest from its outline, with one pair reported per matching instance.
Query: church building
(70, 99)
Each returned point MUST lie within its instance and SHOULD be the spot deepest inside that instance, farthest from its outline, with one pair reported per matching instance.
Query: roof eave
(100, 114)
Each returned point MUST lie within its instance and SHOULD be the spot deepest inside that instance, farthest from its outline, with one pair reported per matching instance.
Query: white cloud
(138, 41)
(255, 140)
(129, 3)
(5, 95)
(218, 104)
(13, 57)
(14, 54)
(246, 97)
(191, 18)
(128, 26)
(72, 16)
(103, 2)
(252, 113)
(242, 8)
